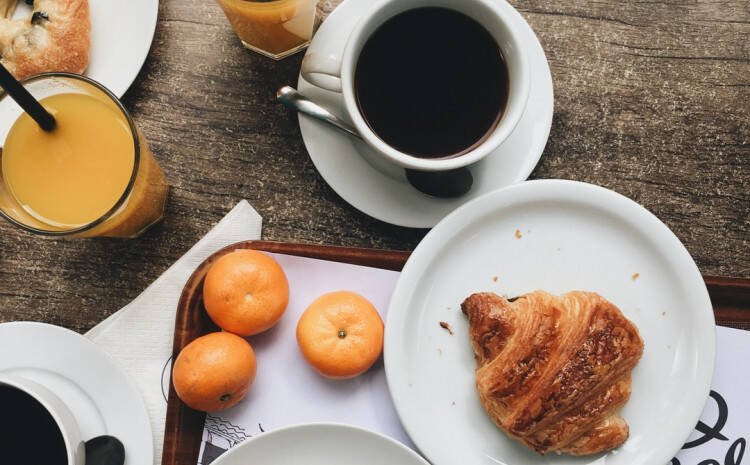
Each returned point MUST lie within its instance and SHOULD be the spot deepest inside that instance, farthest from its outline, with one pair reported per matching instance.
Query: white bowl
(320, 444)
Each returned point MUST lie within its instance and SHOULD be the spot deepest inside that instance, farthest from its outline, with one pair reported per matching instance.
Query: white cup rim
(514, 108)
(43, 395)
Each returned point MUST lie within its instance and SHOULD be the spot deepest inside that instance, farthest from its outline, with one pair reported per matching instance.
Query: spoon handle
(444, 184)
(105, 450)
(296, 101)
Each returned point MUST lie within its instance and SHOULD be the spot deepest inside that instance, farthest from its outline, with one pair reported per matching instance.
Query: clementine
(340, 334)
(245, 292)
(214, 372)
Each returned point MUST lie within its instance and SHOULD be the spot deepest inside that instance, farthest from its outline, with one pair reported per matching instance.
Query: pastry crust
(56, 37)
(7, 7)
(554, 371)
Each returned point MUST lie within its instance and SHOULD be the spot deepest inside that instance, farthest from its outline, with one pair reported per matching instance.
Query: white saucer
(557, 236)
(380, 190)
(320, 444)
(121, 36)
(102, 398)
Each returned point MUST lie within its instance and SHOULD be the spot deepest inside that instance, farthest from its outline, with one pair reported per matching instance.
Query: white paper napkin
(139, 336)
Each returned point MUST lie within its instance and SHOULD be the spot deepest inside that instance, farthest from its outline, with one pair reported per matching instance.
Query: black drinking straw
(29, 104)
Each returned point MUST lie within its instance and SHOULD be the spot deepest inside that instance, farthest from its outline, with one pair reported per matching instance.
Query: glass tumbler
(68, 182)
(274, 28)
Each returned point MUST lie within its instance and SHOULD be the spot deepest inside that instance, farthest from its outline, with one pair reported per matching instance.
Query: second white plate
(320, 444)
(557, 236)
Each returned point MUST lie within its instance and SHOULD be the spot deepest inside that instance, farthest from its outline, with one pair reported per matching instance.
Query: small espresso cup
(336, 73)
(39, 428)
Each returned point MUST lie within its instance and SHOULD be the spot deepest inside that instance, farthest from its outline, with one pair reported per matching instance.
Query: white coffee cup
(336, 73)
(75, 447)
(100, 448)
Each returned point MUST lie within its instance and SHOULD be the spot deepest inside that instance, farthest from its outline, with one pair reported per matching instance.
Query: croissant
(554, 371)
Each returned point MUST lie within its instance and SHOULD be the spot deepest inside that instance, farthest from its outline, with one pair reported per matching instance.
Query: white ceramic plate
(102, 398)
(121, 36)
(320, 444)
(573, 236)
(378, 188)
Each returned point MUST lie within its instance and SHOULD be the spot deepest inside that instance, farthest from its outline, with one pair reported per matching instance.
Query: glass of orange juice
(93, 175)
(274, 28)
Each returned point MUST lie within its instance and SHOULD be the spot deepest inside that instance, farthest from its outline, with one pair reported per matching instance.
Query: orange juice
(144, 206)
(75, 174)
(94, 175)
(274, 28)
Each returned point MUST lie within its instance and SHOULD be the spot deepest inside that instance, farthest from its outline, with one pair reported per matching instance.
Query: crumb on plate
(518, 234)
(635, 276)
(447, 327)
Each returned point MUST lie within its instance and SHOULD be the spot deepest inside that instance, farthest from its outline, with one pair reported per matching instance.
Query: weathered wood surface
(652, 100)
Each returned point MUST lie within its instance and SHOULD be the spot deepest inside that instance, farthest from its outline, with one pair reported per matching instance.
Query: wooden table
(652, 99)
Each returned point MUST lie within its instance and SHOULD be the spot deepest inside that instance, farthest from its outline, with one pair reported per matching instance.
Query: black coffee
(431, 82)
(28, 433)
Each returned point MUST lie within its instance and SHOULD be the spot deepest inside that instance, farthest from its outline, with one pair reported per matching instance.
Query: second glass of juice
(93, 175)
(274, 28)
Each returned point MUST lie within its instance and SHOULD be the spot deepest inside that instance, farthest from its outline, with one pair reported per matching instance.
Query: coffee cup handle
(322, 71)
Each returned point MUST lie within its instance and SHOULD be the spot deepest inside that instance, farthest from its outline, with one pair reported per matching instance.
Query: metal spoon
(105, 450)
(445, 184)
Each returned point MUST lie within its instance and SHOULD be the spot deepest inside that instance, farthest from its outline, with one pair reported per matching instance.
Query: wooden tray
(184, 426)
